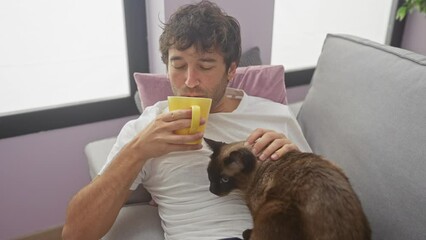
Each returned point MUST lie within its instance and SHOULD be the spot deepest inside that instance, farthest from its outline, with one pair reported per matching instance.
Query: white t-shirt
(178, 181)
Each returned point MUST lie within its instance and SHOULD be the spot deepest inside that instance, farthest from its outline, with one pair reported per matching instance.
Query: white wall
(154, 18)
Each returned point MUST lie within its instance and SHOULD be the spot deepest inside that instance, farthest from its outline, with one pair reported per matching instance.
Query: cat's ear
(214, 145)
(241, 160)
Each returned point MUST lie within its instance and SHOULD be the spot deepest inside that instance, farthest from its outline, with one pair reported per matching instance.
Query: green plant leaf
(401, 13)
(408, 6)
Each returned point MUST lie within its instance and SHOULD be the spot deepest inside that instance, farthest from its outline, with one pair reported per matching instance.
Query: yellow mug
(200, 109)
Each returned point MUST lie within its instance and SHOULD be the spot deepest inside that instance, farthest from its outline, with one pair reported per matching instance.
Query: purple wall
(415, 33)
(40, 172)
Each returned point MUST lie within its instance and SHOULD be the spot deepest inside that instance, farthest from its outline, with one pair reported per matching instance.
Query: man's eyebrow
(207, 59)
(174, 58)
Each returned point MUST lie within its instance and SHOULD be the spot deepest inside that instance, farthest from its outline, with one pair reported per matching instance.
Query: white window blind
(300, 27)
(60, 53)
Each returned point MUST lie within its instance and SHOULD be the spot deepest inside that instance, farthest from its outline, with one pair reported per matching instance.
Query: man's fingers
(176, 115)
(289, 147)
(272, 149)
(269, 144)
(255, 135)
(184, 139)
(184, 147)
(265, 140)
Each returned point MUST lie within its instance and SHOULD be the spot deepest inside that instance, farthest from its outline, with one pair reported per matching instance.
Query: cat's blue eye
(224, 179)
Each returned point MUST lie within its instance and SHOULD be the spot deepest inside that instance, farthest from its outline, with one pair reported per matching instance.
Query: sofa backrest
(366, 111)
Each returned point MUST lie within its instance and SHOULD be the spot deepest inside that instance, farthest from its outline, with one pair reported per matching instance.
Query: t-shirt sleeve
(127, 133)
(295, 134)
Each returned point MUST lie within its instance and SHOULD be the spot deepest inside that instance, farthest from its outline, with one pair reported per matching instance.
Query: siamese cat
(300, 196)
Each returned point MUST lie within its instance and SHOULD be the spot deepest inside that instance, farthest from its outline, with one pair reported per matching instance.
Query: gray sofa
(366, 111)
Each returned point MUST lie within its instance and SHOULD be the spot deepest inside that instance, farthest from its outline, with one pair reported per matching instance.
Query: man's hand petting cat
(268, 144)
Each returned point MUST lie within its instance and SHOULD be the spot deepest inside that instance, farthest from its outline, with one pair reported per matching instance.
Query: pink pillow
(262, 81)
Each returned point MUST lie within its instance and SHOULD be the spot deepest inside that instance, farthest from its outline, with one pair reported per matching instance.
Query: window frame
(49, 119)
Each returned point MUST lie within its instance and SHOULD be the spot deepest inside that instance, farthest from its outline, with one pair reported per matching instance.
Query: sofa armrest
(97, 153)
(365, 112)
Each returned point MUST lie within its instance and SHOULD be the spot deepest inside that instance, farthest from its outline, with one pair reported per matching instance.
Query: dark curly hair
(205, 26)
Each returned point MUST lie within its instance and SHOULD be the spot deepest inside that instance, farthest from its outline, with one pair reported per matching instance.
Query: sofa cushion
(251, 57)
(152, 87)
(366, 111)
(262, 81)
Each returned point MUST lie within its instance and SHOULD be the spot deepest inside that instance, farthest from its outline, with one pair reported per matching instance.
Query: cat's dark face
(228, 164)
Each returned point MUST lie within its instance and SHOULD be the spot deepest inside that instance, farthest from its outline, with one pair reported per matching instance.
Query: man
(201, 47)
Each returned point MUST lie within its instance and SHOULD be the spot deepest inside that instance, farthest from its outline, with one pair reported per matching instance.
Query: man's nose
(192, 78)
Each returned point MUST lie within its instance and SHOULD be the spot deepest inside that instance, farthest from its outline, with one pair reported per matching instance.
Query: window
(69, 62)
(301, 27)
(108, 50)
